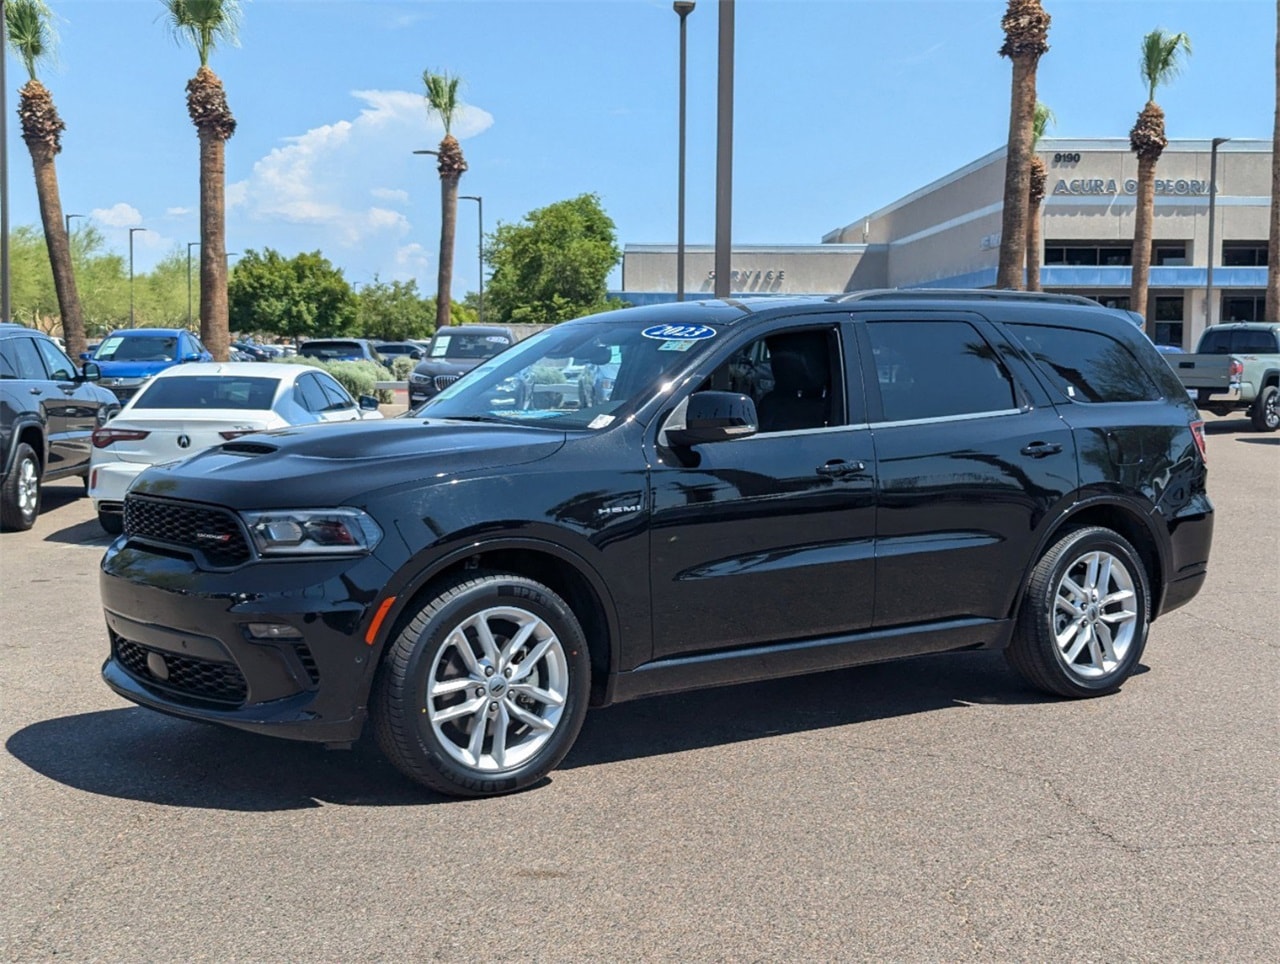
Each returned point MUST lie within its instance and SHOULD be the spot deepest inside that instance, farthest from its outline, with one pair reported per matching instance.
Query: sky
(841, 107)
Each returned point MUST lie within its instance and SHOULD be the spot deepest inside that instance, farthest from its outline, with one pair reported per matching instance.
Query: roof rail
(962, 294)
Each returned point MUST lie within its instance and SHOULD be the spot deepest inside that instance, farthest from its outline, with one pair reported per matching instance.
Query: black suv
(919, 473)
(48, 411)
(453, 352)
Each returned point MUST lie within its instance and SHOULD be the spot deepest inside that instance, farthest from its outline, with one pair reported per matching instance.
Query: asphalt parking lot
(926, 810)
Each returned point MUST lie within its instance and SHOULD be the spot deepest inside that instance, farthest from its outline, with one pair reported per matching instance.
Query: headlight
(312, 532)
(418, 379)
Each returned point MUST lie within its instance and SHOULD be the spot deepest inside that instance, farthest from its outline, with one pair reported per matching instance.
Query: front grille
(124, 394)
(214, 532)
(308, 662)
(444, 381)
(193, 678)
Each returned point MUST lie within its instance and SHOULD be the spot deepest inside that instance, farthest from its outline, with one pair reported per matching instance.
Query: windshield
(576, 375)
(138, 348)
(209, 391)
(456, 345)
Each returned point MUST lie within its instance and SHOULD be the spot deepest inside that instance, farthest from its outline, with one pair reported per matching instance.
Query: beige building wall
(757, 269)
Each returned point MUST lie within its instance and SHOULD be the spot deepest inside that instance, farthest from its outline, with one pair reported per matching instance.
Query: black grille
(200, 679)
(124, 394)
(214, 532)
(308, 662)
(444, 381)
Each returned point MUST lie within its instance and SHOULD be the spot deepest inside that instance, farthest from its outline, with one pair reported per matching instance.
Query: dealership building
(947, 235)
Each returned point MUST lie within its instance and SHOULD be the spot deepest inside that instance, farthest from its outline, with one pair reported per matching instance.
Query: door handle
(840, 469)
(1038, 450)
(36, 391)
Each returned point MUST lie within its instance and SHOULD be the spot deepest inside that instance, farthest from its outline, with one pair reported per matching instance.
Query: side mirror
(712, 417)
(368, 403)
(85, 355)
(91, 370)
(194, 356)
(416, 355)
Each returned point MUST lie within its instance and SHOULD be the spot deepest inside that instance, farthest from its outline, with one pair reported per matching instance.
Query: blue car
(130, 356)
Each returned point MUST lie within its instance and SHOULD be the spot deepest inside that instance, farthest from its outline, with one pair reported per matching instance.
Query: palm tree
(442, 99)
(1273, 248)
(1039, 176)
(30, 32)
(1026, 35)
(1161, 62)
(205, 24)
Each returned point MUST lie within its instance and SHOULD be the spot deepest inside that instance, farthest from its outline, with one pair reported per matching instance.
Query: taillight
(102, 437)
(1197, 433)
(1236, 369)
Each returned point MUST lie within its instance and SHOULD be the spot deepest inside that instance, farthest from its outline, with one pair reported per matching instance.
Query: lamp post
(479, 242)
(68, 218)
(683, 8)
(724, 149)
(190, 245)
(132, 232)
(4, 174)
(1213, 192)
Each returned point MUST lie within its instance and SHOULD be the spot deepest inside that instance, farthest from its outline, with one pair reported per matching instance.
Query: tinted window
(336, 396)
(138, 348)
(309, 394)
(937, 368)
(332, 349)
(209, 391)
(454, 345)
(1087, 366)
(26, 359)
(59, 364)
(1253, 342)
(7, 368)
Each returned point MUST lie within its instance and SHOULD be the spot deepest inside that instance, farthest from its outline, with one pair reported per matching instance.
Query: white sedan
(186, 408)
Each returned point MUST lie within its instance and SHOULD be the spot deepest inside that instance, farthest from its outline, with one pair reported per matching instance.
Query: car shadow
(1227, 426)
(137, 754)
(1273, 440)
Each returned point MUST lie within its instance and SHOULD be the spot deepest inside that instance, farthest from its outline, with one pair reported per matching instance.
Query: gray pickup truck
(1236, 367)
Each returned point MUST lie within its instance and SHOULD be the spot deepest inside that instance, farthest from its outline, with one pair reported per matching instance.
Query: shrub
(401, 366)
(357, 377)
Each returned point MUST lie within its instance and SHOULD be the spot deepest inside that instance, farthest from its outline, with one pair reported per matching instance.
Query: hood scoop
(249, 448)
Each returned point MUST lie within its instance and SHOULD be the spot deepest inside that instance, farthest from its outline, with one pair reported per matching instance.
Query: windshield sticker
(681, 332)
(601, 421)
(533, 413)
(498, 340)
(676, 345)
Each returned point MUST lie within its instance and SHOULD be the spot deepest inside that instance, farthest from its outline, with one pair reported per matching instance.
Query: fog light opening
(274, 631)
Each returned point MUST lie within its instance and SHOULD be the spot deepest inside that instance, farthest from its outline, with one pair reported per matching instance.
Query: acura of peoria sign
(1098, 185)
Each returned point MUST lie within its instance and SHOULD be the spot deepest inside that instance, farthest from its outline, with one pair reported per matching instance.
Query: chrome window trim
(941, 419)
(825, 430)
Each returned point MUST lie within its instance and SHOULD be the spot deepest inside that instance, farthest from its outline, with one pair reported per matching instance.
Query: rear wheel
(1265, 413)
(20, 495)
(1083, 622)
(485, 689)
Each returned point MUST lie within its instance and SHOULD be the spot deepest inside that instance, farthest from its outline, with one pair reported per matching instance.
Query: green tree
(552, 266)
(162, 292)
(1035, 195)
(31, 35)
(393, 311)
(1161, 62)
(442, 99)
(300, 297)
(1026, 36)
(1273, 251)
(205, 24)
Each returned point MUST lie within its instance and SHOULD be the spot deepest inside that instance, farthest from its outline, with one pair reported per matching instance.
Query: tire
(112, 522)
(482, 688)
(1091, 579)
(20, 495)
(1265, 413)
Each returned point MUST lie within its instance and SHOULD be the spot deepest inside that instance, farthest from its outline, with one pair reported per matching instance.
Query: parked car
(340, 349)
(184, 410)
(1022, 473)
(453, 352)
(1236, 367)
(48, 410)
(391, 349)
(130, 356)
(252, 351)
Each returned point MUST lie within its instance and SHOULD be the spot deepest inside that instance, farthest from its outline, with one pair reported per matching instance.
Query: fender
(20, 424)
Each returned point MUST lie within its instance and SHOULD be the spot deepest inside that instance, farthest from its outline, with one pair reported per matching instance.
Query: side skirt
(777, 660)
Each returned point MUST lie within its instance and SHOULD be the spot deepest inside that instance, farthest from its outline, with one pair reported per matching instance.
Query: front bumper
(180, 640)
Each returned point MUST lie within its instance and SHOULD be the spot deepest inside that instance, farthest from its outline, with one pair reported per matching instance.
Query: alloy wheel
(28, 487)
(1095, 615)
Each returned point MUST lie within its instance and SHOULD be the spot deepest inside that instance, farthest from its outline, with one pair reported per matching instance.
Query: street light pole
(1213, 193)
(190, 245)
(479, 243)
(68, 218)
(4, 174)
(132, 232)
(683, 8)
(724, 150)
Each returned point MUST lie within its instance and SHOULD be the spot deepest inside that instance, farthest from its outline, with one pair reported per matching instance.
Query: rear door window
(1087, 366)
(937, 369)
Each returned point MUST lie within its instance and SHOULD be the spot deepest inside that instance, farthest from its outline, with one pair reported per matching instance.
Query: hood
(130, 369)
(327, 465)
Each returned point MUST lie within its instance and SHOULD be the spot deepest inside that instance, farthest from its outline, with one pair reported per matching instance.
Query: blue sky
(841, 107)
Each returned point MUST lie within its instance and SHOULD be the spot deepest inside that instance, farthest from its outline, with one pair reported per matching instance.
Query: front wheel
(485, 689)
(1083, 621)
(20, 496)
(1265, 413)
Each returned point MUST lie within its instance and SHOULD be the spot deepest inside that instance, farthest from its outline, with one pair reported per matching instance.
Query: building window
(1119, 302)
(1169, 254)
(1111, 253)
(1168, 316)
(1244, 254)
(1241, 306)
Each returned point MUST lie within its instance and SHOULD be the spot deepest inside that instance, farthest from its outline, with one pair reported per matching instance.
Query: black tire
(436, 752)
(1050, 607)
(112, 522)
(1265, 413)
(20, 494)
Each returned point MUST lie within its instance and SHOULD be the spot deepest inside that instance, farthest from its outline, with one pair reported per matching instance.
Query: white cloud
(117, 216)
(177, 212)
(411, 261)
(321, 178)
